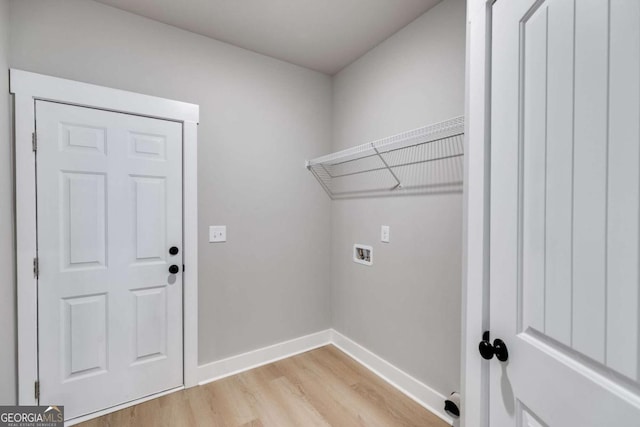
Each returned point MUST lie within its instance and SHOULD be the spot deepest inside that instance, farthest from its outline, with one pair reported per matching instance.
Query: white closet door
(109, 194)
(565, 209)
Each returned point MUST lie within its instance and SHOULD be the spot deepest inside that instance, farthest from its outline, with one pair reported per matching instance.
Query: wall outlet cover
(217, 233)
(384, 233)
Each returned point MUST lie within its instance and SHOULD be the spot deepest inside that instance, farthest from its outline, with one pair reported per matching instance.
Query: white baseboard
(411, 387)
(405, 383)
(243, 362)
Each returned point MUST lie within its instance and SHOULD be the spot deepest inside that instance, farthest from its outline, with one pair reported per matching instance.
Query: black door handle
(485, 347)
(500, 349)
(174, 269)
(173, 250)
(487, 350)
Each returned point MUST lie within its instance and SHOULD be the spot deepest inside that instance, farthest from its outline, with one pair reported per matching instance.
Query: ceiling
(324, 35)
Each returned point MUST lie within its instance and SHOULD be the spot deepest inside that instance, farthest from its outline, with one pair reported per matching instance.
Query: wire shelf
(421, 161)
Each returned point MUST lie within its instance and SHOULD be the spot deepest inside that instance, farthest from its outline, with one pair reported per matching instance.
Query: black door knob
(174, 269)
(487, 350)
(485, 347)
(173, 250)
(500, 349)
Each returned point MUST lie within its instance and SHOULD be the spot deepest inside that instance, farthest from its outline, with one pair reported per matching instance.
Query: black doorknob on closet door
(500, 349)
(488, 350)
(174, 269)
(485, 347)
(173, 250)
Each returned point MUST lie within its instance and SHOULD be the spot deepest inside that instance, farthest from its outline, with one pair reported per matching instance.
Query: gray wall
(406, 307)
(7, 284)
(260, 119)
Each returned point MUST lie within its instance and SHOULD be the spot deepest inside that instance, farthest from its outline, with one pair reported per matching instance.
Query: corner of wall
(375, 96)
(8, 358)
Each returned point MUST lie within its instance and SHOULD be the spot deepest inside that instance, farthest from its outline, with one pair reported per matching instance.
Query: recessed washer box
(362, 254)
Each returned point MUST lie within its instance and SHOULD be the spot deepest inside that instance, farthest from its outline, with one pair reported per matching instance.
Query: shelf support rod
(399, 184)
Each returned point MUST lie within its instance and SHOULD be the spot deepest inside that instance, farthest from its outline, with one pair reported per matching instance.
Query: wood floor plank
(204, 408)
(379, 404)
(328, 404)
(340, 388)
(323, 387)
(295, 400)
(241, 400)
(392, 398)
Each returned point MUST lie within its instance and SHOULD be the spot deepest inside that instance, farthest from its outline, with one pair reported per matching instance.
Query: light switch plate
(384, 233)
(217, 233)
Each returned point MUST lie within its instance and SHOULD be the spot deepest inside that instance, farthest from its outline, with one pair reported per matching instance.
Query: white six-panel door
(565, 212)
(109, 199)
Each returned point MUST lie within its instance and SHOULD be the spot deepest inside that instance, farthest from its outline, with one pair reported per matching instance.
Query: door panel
(148, 146)
(535, 151)
(565, 206)
(83, 138)
(109, 209)
(623, 320)
(83, 211)
(84, 333)
(559, 174)
(150, 324)
(150, 216)
(589, 171)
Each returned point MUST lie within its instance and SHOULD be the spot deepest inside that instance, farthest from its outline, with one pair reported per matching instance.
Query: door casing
(476, 214)
(28, 87)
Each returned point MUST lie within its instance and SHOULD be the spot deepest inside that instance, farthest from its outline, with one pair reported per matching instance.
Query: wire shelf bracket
(420, 161)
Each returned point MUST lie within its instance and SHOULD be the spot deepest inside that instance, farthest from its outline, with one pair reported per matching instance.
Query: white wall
(260, 119)
(7, 284)
(406, 307)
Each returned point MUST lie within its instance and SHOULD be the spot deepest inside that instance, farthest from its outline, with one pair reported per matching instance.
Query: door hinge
(34, 142)
(36, 268)
(36, 387)
(182, 267)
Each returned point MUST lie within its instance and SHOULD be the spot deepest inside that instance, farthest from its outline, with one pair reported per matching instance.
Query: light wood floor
(323, 387)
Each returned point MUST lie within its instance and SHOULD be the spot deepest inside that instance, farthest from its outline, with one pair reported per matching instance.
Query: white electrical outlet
(384, 233)
(217, 233)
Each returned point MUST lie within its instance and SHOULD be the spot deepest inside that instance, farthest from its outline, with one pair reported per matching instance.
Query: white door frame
(28, 87)
(475, 292)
